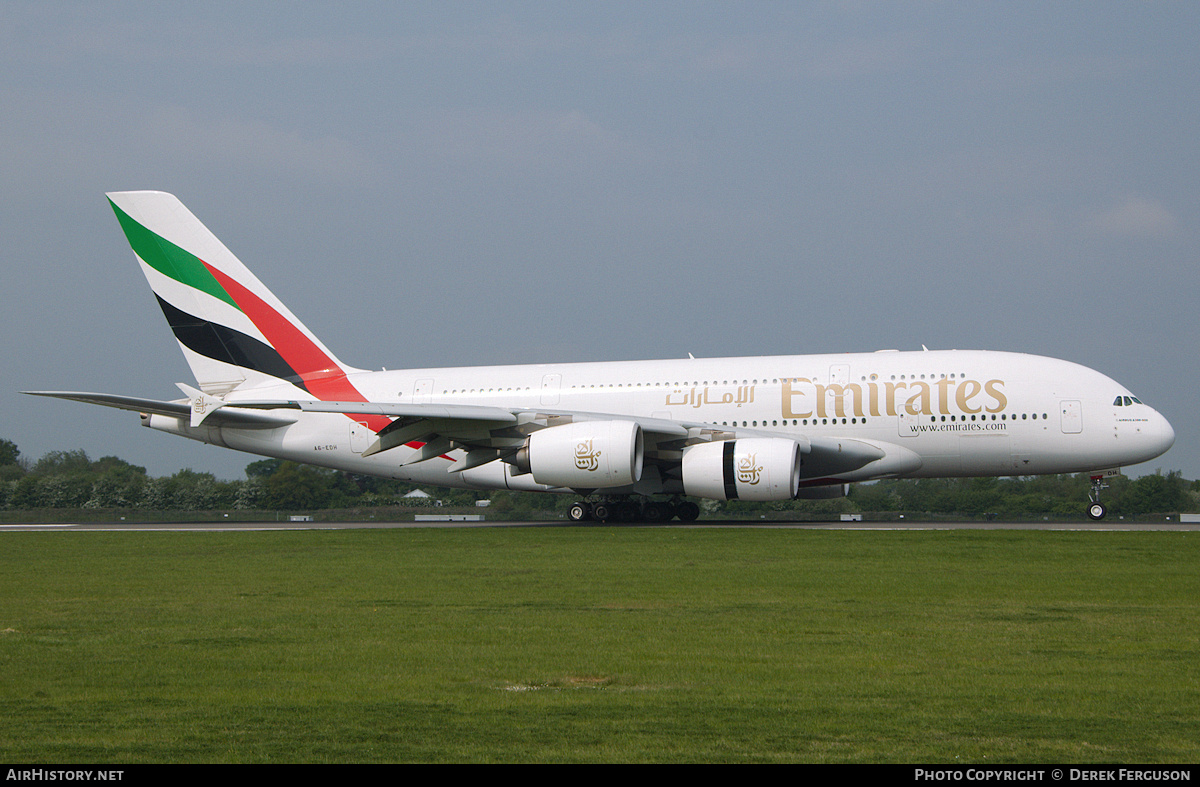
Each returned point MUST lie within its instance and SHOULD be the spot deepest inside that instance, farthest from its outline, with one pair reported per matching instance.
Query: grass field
(600, 644)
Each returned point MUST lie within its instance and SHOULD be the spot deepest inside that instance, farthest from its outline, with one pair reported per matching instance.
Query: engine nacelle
(585, 455)
(753, 468)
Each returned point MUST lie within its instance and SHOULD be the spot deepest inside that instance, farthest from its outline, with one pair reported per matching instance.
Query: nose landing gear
(1096, 509)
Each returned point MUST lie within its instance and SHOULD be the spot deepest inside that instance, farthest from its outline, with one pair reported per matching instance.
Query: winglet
(202, 405)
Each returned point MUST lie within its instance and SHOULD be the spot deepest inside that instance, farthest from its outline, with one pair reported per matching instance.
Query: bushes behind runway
(71, 480)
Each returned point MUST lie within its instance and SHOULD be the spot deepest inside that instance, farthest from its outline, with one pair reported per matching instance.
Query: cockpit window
(1126, 401)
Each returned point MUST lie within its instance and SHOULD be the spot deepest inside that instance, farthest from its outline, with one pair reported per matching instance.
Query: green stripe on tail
(169, 259)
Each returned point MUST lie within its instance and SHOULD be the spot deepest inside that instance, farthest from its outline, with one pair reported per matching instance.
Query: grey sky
(470, 183)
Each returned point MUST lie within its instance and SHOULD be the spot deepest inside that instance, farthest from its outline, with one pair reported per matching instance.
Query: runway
(201, 527)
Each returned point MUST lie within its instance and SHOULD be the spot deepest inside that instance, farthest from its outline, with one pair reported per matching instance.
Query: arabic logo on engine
(585, 457)
(748, 472)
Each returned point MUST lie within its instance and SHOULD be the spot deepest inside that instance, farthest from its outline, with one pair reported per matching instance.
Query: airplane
(634, 440)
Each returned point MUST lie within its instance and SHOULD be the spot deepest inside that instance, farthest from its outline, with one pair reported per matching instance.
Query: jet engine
(753, 468)
(585, 455)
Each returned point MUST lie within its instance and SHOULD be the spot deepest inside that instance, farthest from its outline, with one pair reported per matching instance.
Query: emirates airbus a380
(633, 439)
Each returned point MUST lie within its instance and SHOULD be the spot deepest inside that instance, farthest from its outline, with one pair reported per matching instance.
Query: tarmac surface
(1115, 525)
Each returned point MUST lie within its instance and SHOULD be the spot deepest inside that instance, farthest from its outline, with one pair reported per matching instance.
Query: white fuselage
(963, 413)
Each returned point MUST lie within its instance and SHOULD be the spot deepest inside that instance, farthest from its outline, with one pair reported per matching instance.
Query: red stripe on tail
(322, 377)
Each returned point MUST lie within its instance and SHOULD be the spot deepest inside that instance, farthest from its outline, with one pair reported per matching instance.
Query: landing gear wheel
(1097, 511)
(656, 512)
(687, 511)
(601, 512)
(579, 513)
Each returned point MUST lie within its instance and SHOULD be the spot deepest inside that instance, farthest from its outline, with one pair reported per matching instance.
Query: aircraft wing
(488, 433)
(464, 412)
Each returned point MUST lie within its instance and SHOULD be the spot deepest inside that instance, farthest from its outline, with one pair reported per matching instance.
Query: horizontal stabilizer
(226, 416)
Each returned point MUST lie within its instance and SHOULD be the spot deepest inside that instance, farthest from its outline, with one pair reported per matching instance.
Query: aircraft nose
(1166, 435)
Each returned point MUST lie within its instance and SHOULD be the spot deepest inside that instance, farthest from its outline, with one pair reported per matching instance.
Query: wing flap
(463, 412)
(471, 427)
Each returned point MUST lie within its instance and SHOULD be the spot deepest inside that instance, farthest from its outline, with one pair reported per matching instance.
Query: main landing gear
(1096, 509)
(633, 510)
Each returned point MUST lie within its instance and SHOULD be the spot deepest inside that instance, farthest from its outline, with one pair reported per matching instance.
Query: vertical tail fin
(233, 331)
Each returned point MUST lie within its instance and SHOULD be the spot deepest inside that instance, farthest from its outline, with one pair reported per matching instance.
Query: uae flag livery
(220, 312)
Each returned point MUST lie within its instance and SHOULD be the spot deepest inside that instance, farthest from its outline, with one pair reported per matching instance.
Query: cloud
(237, 142)
(547, 140)
(1135, 216)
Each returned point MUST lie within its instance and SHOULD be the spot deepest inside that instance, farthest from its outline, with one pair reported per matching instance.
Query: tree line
(72, 480)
